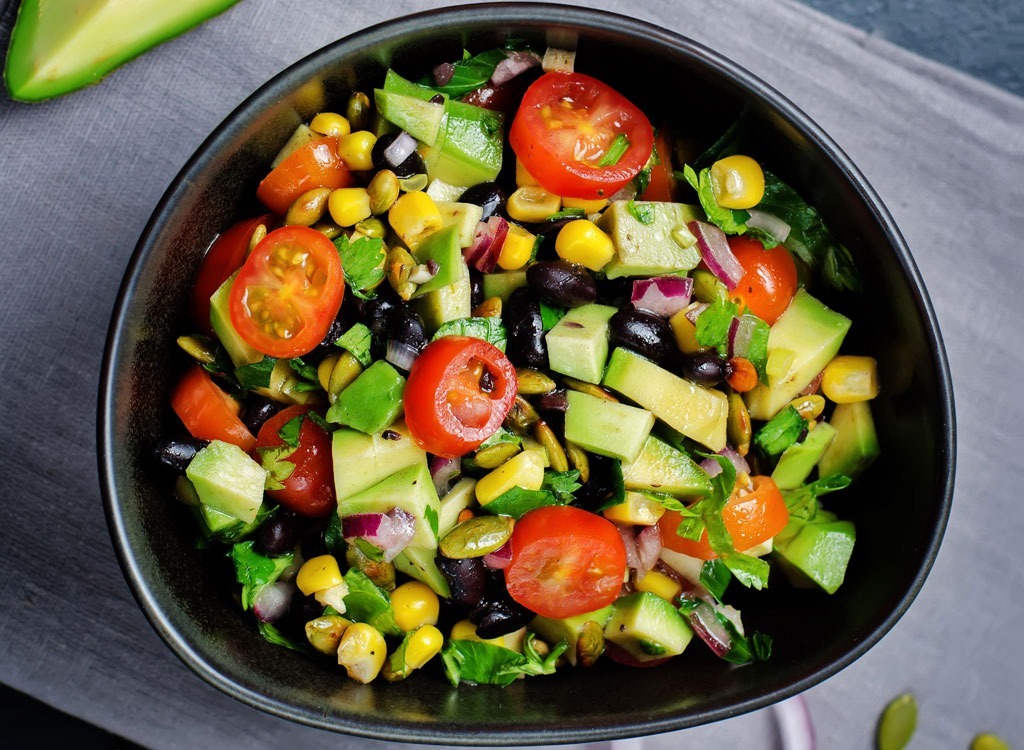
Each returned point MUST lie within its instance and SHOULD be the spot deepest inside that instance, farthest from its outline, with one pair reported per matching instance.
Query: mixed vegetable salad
(497, 406)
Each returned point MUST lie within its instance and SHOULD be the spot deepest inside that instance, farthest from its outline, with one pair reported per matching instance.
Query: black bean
(524, 330)
(406, 326)
(497, 614)
(177, 453)
(704, 369)
(467, 578)
(278, 535)
(560, 283)
(556, 400)
(412, 165)
(488, 195)
(645, 333)
(258, 410)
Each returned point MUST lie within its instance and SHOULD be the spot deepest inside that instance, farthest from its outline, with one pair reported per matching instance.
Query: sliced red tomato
(566, 126)
(661, 184)
(225, 256)
(752, 515)
(208, 412)
(317, 164)
(288, 292)
(459, 391)
(769, 281)
(565, 561)
(309, 487)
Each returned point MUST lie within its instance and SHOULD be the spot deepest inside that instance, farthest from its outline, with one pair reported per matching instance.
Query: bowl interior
(900, 506)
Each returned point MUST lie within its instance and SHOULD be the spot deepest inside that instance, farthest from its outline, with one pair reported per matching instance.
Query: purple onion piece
(796, 730)
(716, 254)
(401, 354)
(272, 601)
(713, 469)
(741, 332)
(516, 63)
(443, 471)
(501, 558)
(648, 543)
(389, 532)
(487, 243)
(768, 223)
(556, 400)
(706, 624)
(400, 149)
(662, 295)
(693, 311)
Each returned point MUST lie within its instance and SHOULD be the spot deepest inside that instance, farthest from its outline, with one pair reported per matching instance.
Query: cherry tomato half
(225, 256)
(661, 184)
(770, 280)
(751, 517)
(309, 489)
(208, 412)
(459, 391)
(288, 292)
(565, 561)
(565, 126)
(317, 164)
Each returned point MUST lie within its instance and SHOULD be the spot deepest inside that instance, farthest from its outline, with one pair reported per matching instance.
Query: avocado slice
(606, 427)
(856, 443)
(228, 480)
(816, 552)
(578, 342)
(648, 627)
(59, 47)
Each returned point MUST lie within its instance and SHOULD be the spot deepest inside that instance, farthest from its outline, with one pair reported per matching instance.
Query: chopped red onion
(741, 332)
(501, 558)
(662, 295)
(716, 253)
(443, 471)
(648, 543)
(443, 73)
(768, 223)
(423, 272)
(706, 624)
(516, 63)
(629, 542)
(693, 311)
(389, 532)
(401, 354)
(795, 726)
(487, 243)
(272, 600)
(399, 149)
(712, 468)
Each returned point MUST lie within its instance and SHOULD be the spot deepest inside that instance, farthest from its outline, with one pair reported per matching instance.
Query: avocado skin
(43, 30)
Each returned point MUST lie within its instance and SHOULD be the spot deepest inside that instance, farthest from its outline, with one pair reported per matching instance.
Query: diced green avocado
(410, 489)
(817, 551)
(642, 234)
(798, 460)
(227, 479)
(421, 564)
(447, 303)
(605, 427)
(856, 442)
(463, 216)
(647, 627)
(419, 118)
(578, 343)
(469, 148)
(553, 630)
(442, 247)
(698, 413)
(800, 343)
(502, 284)
(59, 47)
(661, 468)
(461, 496)
(362, 460)
(237, 349)
(396, 84)
(372, 401)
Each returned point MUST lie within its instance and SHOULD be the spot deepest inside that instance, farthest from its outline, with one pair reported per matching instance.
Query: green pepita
(345, 370)
(495, 455)
(549, 440)
(533, 382)
(358, 112)
(590, 644)
(579, 460)
(199, 348)
(476, 536)
(589, 388)
(522, 416)
(738, 426)
(898, 722)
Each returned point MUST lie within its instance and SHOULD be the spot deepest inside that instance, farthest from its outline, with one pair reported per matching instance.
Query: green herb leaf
(275, 636)
(491, 330)
(517, 502)
(290, 430)
(257, 374)
(367, 602)
(757, 349)
(642, 180)
(502, 435)
(362, 262)
(715, 577)
(730, 221)
(310, 380)
(254, 571)
(803, 501)
(275, 460)
(334, 538)
(615, 151)
(713, 324)
(472, 72)
(357, 341)
(488, 664)
(562, 484)
(617, 483)
(566, 213)
(780, 432)
(550, 315)
(642, 212)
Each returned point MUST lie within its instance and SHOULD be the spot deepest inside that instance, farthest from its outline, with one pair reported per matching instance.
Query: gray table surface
(83, 173)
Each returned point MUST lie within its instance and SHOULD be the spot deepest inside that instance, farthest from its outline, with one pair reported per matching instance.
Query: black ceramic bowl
(900, 506)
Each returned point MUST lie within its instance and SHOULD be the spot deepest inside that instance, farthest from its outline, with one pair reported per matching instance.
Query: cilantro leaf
(256, 374)
(567, 213)
(275, 460)
(757, 347)
(472, 72)
(488, 664)
(362, 262)
(730, 221)
(254, 571)
(803, 501)
(642, 212)
(357, 341)
(308, 374)
(491, 330)
(562, 484)
(550, 315)
(367, 602)
(501, 435)
(713, 324)
(517, 502)
(715, 577)
(275, 636)
(780, 432)
(290, 430)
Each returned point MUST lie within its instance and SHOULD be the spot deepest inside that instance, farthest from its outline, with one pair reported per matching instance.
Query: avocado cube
(442, 248)
(578, 343)
(642, 234)
(798, 460)
(502, 284)
(553, 630)
(469, 146)
(446, 303)
(228, 480)
(422, 119)
(606, 427)
(463, 216)
(816, 551)
(237, 348)
(410, 489)
(361, 460)
(856, 444)
(648, 627)
(372, 401)
(661, 468)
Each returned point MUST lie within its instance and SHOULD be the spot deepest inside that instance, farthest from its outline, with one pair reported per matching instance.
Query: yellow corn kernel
(737, 182)
(318, 573)
(685, 333)
(525, 469)
(362, 651)
(355, 150)
(422, 646)
(583, 242)
(524, 178)
(531, 204)
(848, 378)
(415, 604)
(659, 584)
(330, 123)
(589, 206)
(517, 248)
(636, 509)
(349, 206)
(414, 217)
(325, 368)
(809, 407)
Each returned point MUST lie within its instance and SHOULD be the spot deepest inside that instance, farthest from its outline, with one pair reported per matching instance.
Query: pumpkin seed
(989, 742)
(589, 644)
(324, 633)
(549, 440)
(495, 455)
(533, 382)
(589, 388)
(358, 112)
(346, 369)
(522, 416)
(579, 460)
(199, 348)
(308, 208)
(476, 536)
(400, 265)
(738, 426)
(328, 229)
(809, 407)
(380, 572)
(898, 722)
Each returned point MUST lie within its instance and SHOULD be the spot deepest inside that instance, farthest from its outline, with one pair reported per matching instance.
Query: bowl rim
(536, 15)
